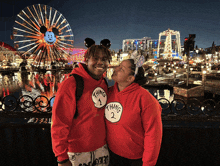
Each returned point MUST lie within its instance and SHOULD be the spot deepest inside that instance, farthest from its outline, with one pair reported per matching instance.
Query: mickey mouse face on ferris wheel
(49, 36)
(89, 42)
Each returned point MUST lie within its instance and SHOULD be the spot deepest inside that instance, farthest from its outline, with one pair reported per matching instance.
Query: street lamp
(174, 73)
(203, 77)
(155, 77)
(158, 68)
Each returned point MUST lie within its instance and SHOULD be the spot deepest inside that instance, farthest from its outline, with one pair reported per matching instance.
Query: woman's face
(97, 64)
(122, 72)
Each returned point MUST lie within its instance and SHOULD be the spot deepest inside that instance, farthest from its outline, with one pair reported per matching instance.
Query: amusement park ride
(43, 34)
(168, 43)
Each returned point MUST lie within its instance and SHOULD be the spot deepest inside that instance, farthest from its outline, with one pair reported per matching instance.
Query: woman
(82, 141)
(133, 119)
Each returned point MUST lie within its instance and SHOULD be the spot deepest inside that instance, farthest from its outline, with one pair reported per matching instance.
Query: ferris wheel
(42, 33)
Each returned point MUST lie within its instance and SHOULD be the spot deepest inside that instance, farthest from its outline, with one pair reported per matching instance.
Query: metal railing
(191, 110)
(41, 107)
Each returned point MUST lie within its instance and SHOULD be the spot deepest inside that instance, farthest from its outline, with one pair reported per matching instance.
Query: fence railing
(193, 107)
(40, 108)
(30, 143)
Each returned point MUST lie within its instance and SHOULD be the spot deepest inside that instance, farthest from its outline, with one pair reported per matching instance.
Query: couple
(119, 126)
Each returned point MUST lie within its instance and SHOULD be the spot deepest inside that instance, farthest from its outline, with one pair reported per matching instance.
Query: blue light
(136, 42)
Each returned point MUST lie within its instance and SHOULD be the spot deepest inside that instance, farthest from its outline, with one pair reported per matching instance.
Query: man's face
(97, 64)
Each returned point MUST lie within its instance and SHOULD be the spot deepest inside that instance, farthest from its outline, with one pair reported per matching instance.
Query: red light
(186, 39)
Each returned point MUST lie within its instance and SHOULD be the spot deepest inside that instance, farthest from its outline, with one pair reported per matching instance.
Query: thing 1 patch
(99, 97)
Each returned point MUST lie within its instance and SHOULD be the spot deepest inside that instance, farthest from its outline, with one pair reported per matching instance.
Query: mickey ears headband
(138, 60)
(89, 42)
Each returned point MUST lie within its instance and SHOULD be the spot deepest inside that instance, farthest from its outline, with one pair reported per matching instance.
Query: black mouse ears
(89, 42)
(43, 30)
(106, 43)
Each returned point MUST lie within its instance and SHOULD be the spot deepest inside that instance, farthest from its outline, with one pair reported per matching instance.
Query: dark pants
(116, 160)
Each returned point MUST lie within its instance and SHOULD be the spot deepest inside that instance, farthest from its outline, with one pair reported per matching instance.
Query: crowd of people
(107, 126)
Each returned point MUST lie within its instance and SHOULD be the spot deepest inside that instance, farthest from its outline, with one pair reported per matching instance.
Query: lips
(99, 68)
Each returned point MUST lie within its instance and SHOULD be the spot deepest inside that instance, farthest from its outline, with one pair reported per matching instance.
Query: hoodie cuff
(62, 157)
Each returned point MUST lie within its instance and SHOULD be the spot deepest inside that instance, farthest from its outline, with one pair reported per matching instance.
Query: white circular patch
(99, 97)
(113, 111)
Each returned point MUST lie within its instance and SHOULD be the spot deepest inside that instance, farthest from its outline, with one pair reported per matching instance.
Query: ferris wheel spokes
(41, 14)
(33, 17)
(31, 20)
(43, 32)
(22, 41)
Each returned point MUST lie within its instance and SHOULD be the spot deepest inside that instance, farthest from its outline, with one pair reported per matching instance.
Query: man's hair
(91, 51)
(139, 78)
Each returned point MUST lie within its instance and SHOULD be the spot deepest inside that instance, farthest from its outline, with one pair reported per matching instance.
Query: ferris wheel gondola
(42, 33)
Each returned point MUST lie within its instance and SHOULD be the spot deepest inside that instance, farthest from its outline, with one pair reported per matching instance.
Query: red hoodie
(134, 125)
(87, 132)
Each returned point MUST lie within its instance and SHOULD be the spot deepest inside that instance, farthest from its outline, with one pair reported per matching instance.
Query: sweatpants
(99, 157)
(116, 160)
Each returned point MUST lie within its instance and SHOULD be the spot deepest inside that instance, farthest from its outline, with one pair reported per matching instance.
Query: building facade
(146, 44)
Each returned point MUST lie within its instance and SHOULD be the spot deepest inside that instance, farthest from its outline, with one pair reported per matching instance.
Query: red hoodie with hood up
(87, 132)
(134, 125)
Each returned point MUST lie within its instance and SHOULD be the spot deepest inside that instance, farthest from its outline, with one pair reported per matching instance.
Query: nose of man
(100, 61)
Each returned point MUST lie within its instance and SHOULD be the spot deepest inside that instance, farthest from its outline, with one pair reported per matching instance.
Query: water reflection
(32, 83)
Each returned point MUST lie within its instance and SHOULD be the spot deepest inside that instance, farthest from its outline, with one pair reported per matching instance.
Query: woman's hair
(91, 51)
(139, 77)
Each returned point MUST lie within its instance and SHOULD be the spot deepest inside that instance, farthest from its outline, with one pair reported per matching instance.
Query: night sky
(126, 19)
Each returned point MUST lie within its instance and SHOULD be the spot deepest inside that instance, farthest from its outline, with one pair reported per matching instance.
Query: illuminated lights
(27, 22)
(33, 16)
(25, 41)
(53, 18)
(26, 31)
(40, 44)
(41, 13)
(24, 26)
(58, 19)
(26, 46)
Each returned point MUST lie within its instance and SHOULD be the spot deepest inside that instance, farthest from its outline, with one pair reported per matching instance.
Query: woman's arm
(152, 123)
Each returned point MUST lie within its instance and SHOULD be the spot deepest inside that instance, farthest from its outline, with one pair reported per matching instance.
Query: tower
(168, 43)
